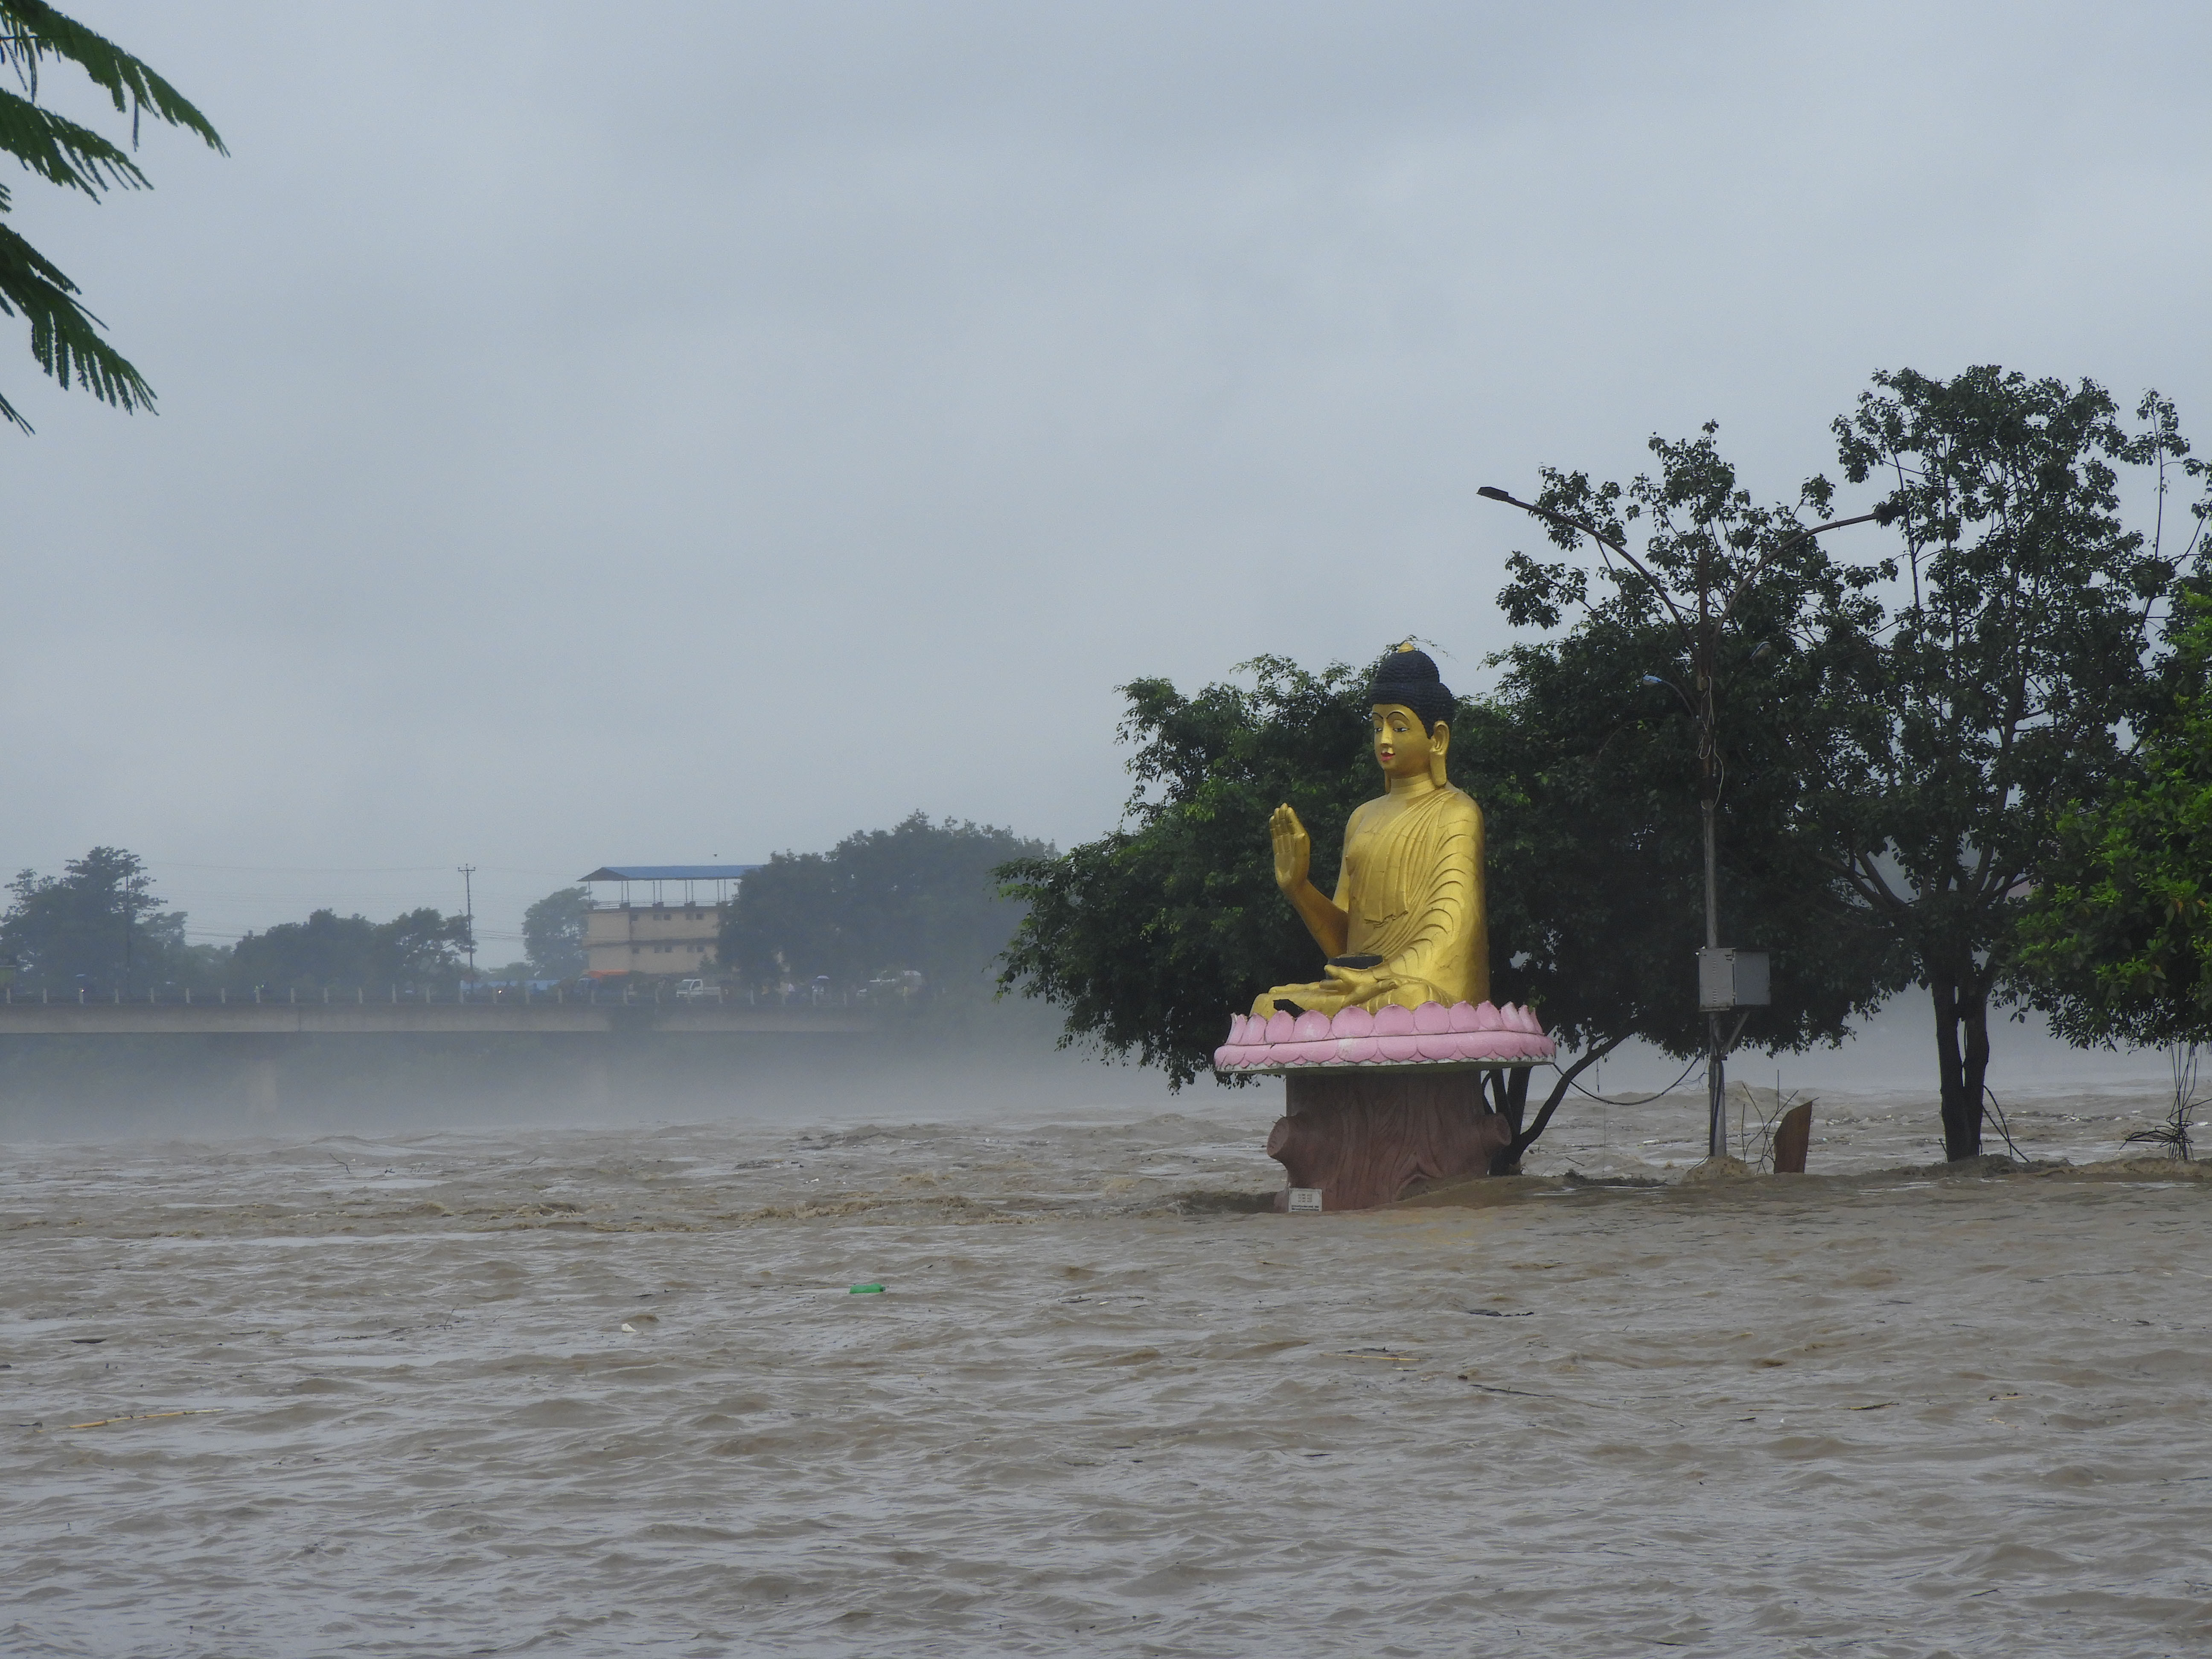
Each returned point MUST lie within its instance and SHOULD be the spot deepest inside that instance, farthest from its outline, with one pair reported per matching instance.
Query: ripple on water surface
(610, 1392)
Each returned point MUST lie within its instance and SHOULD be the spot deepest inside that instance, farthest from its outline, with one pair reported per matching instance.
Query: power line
(352, 870)
(1616, 1100)
(305, 869)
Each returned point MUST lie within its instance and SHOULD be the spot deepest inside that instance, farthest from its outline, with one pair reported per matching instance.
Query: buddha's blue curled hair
(1410, 677)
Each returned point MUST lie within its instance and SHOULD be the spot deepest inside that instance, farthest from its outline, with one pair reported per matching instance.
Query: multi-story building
(660, 919)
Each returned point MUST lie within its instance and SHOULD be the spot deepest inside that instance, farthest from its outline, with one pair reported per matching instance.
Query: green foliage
(2117, 942)
(64, 336)
(1884, 778)
(1702, 533)
(1148, 938)
(919, 897)
(419, 948)
(1599, 760)
(553, 932)
(98, 925)
(1953, 738)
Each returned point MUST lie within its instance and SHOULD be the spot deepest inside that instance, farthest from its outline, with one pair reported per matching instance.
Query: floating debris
(145, 1417)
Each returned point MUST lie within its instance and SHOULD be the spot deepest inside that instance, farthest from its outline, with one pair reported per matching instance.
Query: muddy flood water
(610, 1391)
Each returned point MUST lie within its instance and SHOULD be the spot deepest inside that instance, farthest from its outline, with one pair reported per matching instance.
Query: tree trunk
(1507, 1089)
(1962, 1055)
(1370, 1139)
(1507, 1160)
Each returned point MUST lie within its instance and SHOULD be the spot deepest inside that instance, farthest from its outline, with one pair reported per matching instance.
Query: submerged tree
(66, 337)
(2115, 944)
(1997, 693)
(1147, 938)
(1652, 735)
(1883, 778)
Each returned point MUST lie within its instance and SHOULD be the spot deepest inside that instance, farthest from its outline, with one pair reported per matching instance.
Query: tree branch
(1772, 554)
(1494, 494)
(1510, 1156)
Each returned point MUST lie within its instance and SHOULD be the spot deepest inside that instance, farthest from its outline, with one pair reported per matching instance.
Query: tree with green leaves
(1150, 937)
(918, 896)
(98, 926)
(1998, 694)
(1656, 716)
(553, 932)
(66, 337)
(419, 948)
(2115, 944)
(1883, 776)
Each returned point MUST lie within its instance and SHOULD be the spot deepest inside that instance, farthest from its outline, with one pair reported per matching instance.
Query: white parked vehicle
(698, 990)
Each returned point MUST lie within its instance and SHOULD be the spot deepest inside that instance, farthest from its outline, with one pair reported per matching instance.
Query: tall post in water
(1715, 1056)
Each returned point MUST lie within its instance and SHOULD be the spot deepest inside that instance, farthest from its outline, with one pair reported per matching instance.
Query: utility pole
(1745, 987)
(469, 902)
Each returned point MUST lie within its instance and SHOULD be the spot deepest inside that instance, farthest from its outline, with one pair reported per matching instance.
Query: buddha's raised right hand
(1293, 848)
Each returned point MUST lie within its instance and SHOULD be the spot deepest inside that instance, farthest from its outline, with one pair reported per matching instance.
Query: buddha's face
(1403, 746)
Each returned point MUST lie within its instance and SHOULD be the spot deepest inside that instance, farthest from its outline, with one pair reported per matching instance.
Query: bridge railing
(396, 996)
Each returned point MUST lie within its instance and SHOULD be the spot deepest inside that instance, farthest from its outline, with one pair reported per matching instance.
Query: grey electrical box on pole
(1731, 979)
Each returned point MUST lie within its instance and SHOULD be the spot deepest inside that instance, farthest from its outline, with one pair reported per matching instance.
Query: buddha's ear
(1439, 746)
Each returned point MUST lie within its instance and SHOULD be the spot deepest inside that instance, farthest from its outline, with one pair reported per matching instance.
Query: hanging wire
(1616, 1100)
(1993, 1113)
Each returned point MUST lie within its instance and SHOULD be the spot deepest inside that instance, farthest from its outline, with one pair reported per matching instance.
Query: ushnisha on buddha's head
(1412, 709)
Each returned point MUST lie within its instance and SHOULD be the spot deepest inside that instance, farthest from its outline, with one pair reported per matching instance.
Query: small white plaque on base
(1305, 1201)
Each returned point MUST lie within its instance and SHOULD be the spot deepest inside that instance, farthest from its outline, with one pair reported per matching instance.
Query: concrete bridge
(365, 1018)
(354, 1057)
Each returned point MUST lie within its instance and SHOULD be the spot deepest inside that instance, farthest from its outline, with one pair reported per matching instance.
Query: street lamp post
(1702, 635)
(1709, 996)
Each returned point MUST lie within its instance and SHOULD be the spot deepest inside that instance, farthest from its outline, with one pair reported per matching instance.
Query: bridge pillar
(261, 1096)
(599, 1076)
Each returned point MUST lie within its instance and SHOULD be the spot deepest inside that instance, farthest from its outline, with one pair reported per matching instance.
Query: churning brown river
(610, 1392)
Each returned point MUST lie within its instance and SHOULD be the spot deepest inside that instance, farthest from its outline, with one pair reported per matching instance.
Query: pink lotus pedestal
(1379, 1106)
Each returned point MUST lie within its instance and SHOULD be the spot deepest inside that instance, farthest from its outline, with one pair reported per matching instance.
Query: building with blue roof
(660, 919)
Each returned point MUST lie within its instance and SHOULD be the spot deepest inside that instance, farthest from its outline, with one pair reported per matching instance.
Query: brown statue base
(1373, 1137)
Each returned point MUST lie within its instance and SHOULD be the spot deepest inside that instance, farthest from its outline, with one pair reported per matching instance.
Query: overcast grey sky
(666, 433)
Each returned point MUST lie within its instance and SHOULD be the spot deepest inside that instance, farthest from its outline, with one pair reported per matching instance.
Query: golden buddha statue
(1407, 924)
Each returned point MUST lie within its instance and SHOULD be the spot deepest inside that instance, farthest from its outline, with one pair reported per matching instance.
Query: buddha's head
(1412, 708)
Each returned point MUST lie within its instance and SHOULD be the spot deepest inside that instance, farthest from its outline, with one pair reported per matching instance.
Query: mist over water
(603, 1388)
(1066, 346)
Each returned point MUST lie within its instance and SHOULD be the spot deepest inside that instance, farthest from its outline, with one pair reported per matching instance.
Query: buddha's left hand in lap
(1360, 985)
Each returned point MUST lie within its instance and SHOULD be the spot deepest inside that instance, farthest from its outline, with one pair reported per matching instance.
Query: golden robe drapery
(1411, 887)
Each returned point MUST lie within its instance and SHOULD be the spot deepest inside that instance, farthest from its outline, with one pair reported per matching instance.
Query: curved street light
(1701, 634)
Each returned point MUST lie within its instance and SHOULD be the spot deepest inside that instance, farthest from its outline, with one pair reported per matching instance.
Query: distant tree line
(1978, 760)
(99, 927)
(920, 898)
(916, 908)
